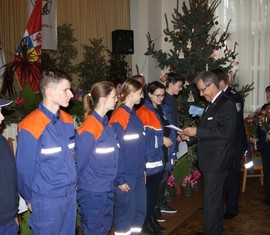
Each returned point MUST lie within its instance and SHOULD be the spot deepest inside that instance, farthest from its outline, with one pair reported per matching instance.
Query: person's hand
(253, 139)
(167, 142)
(17, 220)
(190, 131)
(29, 205)
(124, 187)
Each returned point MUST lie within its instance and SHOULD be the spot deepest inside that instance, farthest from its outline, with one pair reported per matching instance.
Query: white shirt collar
(216, 96)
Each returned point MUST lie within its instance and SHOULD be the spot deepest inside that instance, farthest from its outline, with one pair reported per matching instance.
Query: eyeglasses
(203, 90)
(158, 96)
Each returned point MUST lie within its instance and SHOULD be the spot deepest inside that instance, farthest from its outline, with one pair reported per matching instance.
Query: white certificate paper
(173, 127)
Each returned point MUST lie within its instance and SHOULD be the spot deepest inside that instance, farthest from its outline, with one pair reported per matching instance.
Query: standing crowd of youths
(114, 170)
(111, 170)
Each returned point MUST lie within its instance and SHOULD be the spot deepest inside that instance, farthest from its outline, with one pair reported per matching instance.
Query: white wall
(148, 16)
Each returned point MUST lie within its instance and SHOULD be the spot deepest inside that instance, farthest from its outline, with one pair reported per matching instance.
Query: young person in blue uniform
(97, 155)
(45, 159)
(263, 145)
(9, 196)
(130, 201)
(174, 83)
(215, 135)
(233, 180)
(152, 116)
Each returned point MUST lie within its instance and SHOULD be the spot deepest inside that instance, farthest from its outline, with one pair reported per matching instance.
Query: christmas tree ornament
(166, 39)
(163, 78)
(190, 97)
(216, 22)
(189, 43)
(181, 54)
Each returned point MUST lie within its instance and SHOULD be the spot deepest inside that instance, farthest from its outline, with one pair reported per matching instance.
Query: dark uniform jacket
(215, 135)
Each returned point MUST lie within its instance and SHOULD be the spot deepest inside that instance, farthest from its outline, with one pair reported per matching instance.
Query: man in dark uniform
(9, 196)
(215, 135)
(233, 181)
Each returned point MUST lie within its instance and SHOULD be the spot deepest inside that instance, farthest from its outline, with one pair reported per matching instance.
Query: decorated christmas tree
(197, 45)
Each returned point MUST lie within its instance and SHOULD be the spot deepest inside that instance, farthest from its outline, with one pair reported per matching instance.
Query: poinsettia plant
(172, 185)
(192, 180)
(261, 118)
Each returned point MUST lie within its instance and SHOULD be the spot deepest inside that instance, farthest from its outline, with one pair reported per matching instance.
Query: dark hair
(174, 78)
(117, 81)
(151, 87)
(98, 90)
(267, 89)
(221, 75)
(52, 76)
(207, 77)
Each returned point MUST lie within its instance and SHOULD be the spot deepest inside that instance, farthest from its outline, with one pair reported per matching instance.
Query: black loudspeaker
(122, 42)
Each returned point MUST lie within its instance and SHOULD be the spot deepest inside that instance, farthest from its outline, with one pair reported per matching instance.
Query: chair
(258, 171)
(256, 158)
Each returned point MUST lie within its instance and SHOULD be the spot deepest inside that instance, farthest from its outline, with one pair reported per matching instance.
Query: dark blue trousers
(10, 228)
(96, 210)
(232, 186)
(130, 207)
(152, 186)
(266, 171)
(54, 216)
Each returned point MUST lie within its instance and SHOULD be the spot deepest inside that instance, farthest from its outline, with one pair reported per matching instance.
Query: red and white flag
(2, 63)
(49, 22)
(27, 60)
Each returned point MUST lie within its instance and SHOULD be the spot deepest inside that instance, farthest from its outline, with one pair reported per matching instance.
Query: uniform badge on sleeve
(238, 107)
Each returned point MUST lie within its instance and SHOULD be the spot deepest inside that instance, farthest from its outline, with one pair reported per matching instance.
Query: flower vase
(178, 189)
(187, 193)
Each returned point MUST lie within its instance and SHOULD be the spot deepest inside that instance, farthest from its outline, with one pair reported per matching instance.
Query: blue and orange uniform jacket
(97, 154)
(154, 138)
(172, 149)
(45, 155)
(130, 132)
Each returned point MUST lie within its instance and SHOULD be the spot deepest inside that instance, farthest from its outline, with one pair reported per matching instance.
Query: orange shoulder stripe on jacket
(35, 123)
(121, 116)
(65, 117)
(92, 125)
(149, 118)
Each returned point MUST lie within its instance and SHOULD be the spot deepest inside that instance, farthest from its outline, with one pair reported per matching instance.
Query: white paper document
(182, 149)
(173, 127)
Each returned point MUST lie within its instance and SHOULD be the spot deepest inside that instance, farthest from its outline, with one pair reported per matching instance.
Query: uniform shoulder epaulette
(233, 91)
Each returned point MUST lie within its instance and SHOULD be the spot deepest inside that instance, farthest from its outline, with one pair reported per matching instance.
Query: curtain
(250, 29)
(89, 19)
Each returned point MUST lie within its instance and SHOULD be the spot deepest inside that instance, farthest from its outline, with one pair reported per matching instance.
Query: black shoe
(148, 228)
(229, 215)
(200, 209)
(156, 225)
(166, 209)
(159, 217)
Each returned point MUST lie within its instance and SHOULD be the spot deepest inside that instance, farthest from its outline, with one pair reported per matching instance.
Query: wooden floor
(253, 219)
